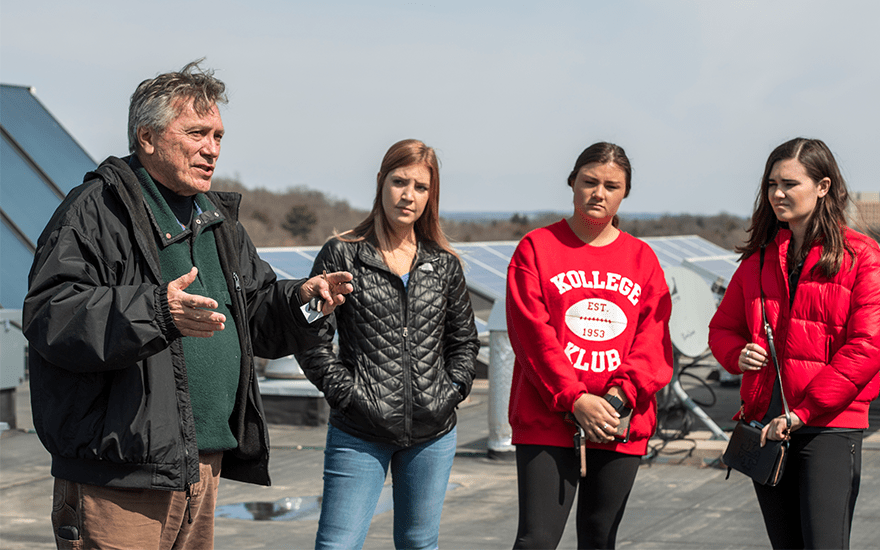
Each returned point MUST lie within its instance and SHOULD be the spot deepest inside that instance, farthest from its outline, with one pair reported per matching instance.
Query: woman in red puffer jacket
(821, 286)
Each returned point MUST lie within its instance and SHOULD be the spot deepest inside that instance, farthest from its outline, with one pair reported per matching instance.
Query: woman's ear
(824, 185)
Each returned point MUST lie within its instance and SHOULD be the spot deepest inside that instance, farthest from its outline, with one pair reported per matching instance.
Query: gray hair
(156, 101)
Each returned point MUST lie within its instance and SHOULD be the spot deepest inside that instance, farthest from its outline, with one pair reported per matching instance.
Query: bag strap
(769, 332)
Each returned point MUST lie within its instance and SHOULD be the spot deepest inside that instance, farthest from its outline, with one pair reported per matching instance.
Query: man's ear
(146, 138)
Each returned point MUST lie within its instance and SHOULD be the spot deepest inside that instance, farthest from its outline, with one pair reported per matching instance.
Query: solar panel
(674, 250)
(486, 265)
(290, 262)
(715, 264)
(17, 260)
(296, 263)
(43, 139)
(39, 163)
(486, 262)
(719, 269)
(25, 197)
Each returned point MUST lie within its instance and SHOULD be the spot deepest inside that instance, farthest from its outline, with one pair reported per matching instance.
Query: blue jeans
(354, 473)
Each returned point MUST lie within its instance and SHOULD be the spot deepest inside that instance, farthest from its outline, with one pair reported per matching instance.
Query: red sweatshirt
(583, 319)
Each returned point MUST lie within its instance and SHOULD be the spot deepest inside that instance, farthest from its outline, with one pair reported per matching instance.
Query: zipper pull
(247, 338)
(188, 493)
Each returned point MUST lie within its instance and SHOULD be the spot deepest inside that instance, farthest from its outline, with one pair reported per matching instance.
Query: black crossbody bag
(744, 452)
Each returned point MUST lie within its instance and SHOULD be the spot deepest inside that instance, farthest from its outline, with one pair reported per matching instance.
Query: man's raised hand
(330, 289)
(192, 313)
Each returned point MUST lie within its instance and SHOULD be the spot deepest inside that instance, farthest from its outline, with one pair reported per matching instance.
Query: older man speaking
(147, 304)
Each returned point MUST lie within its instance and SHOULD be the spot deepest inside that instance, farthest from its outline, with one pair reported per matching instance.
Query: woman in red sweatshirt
(587, 314)
(821, 286)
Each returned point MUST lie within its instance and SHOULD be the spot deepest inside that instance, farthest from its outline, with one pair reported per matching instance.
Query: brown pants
(111, 518)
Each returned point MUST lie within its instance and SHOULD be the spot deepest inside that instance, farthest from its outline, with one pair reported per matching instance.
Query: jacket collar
(368, 252)
(783, 242)
(166, 225)
(118, 175)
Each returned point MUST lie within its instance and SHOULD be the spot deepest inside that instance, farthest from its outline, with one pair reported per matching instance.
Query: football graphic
(596, 319)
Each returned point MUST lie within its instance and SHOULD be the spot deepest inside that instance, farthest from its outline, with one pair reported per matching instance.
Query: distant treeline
(301, 216)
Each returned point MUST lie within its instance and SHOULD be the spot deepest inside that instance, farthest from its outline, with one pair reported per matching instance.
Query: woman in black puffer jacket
(407, 345)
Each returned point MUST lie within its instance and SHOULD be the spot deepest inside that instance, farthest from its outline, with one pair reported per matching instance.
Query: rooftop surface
(680, 499)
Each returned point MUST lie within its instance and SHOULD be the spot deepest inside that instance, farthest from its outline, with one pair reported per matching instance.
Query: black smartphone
(622, 433)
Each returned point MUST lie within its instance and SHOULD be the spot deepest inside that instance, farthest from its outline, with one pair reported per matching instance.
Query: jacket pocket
(435, 408)
(364, 408)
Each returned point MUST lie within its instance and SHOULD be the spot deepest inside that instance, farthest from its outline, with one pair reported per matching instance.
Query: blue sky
(509, 93)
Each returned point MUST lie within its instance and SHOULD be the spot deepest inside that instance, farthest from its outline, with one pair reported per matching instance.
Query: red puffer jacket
(827, 341)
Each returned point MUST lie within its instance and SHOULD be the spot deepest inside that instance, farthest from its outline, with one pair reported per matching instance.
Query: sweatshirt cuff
(566, 400)
(629, 390)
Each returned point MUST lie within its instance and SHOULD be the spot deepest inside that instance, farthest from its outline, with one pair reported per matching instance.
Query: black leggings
(812, 507)
(548, 477)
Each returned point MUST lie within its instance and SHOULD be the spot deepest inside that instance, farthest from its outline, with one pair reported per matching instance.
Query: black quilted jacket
(406, 354)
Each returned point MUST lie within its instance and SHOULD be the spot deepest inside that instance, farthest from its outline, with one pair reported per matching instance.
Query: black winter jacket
(406, 354)
(107, 372)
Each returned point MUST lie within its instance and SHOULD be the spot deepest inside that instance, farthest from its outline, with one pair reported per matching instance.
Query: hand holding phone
(622, 433)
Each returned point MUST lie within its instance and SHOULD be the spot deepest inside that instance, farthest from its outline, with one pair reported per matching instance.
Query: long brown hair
(603, 153)
(828, 224)
(405, 153)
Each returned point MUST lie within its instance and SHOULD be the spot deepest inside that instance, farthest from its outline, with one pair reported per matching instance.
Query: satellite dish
(693, 306)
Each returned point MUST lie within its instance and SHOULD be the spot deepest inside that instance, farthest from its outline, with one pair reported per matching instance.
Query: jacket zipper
(188, 493)
(185, 470)
(240, 292)
(407, 375)
(244, 327)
